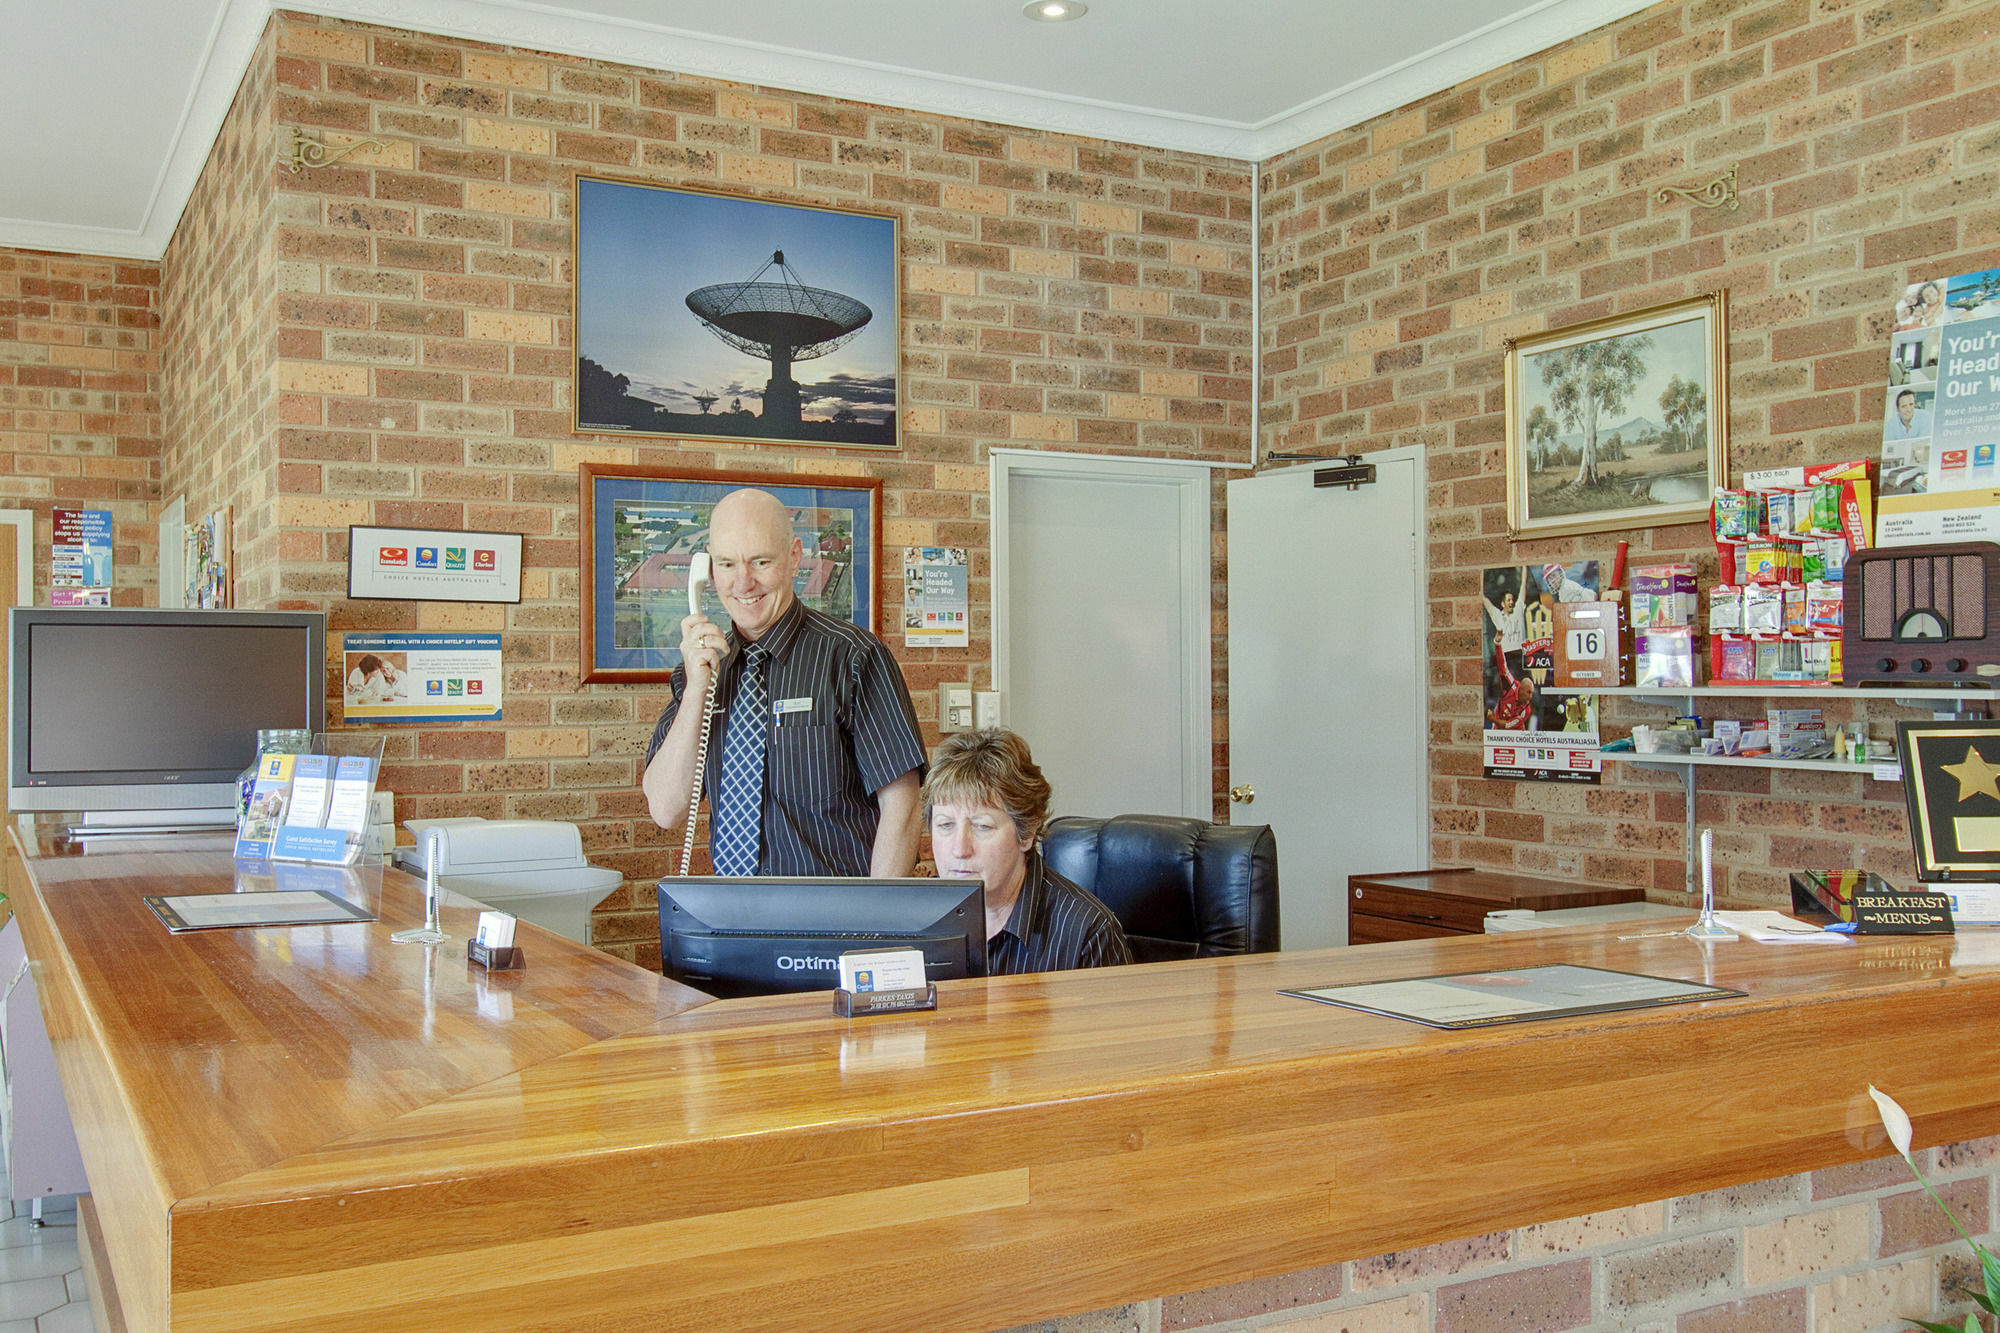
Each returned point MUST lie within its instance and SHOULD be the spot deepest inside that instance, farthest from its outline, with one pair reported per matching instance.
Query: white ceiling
(108, 107)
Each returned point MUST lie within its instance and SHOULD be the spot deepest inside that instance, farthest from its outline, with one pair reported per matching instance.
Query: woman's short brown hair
(990, 767)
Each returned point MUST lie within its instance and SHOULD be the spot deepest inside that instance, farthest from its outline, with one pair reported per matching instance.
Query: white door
(1327, 682)
(1101, 628)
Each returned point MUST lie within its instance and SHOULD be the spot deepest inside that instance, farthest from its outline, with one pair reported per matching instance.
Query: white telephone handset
(701, 576)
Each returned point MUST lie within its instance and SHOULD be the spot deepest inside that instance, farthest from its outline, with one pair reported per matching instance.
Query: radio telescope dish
(781, 322)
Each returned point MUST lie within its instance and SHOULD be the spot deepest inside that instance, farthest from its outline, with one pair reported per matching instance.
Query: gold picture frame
(693, 307)
(1574, 395)
(640, 526)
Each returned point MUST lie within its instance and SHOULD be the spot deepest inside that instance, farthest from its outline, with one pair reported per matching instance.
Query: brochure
(331, 826)
(309, 790)
(270, 798)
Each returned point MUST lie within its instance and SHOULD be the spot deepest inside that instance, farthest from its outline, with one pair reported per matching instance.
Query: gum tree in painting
(1592, 381)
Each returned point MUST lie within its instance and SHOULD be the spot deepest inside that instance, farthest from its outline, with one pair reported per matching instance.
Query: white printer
(531, 868)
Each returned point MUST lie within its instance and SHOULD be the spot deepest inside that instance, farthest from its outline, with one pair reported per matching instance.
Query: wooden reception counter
(317, 1128)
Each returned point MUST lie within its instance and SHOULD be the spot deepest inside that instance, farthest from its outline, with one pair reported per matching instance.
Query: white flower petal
(1893, 1119)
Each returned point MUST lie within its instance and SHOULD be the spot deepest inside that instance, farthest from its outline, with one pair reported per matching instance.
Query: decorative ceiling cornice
(238, 29)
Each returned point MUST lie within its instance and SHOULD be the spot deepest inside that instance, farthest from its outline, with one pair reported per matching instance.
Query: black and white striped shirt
(1055, 926)
(842, 728)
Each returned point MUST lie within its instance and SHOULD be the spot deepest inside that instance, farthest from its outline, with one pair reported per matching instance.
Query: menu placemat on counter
(1481, 999)
(284, 907)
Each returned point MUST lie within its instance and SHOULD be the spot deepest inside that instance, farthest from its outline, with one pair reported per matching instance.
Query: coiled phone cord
(700, 764)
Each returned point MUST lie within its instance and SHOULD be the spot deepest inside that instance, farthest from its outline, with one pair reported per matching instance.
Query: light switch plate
(955, 707)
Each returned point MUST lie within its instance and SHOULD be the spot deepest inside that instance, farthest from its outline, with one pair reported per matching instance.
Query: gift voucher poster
(1533, 733)
(420, 677)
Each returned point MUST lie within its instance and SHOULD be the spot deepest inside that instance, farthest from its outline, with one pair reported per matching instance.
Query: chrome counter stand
(1707, 927)
(429, 932)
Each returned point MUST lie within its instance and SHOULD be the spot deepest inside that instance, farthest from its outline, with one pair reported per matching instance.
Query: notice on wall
(433, 564)
(1967, 419)
(420, 677)
(1533, 733)
(80, 558)
(1941, 412)
(1947, 516)
(937, 597)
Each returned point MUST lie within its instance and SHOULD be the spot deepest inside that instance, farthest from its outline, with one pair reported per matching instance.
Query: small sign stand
(492, 945)
(505, 958)
(858, 1004)
(883, 981)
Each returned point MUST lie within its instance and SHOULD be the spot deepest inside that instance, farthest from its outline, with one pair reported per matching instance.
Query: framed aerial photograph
(1618, 423)
(642, 526)
(709, 316)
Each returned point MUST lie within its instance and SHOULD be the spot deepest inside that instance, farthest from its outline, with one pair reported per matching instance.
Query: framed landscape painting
(642, 526)
(708, 316)
(1618, 423)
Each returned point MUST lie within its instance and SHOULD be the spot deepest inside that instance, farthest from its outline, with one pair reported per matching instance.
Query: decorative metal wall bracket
(312, 153)
(1718, 193)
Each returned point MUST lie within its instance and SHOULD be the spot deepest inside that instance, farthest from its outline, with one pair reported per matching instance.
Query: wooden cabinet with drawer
(1427, 904)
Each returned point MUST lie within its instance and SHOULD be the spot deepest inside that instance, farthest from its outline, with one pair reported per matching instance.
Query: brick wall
(388, 341)
(1400, 255)
(1058, 292)
(1852, 1249)
(220, 320)
(80, 402)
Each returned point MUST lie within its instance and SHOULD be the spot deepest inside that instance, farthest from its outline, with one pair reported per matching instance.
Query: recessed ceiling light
(1055, 11)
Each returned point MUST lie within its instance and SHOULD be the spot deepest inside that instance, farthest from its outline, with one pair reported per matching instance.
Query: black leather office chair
(1180, 887)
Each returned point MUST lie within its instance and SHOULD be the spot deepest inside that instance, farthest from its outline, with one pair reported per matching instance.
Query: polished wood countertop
(315, 1127)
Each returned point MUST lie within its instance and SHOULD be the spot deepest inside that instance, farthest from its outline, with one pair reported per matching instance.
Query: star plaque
(1951, 781)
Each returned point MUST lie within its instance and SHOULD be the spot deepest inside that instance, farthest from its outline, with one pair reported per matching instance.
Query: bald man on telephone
(815, 762)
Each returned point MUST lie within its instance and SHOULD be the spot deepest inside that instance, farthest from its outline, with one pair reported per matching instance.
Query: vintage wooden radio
(1922, 614)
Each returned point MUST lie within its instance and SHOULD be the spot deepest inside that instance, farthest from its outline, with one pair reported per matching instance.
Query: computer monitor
(764, 935)
(146, 716)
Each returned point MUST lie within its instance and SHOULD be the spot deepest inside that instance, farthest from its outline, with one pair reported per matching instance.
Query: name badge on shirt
(783, 706)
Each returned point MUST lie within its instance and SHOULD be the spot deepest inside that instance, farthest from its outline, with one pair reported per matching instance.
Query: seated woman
(986, 803)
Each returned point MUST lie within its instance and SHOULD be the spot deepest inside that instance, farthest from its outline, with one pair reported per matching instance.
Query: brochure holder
(313, 807)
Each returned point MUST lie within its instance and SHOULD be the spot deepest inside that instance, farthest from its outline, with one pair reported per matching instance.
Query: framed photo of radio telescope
(710, 316)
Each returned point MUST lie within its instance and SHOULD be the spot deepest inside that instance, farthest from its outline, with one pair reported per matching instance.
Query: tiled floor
(41, 1278)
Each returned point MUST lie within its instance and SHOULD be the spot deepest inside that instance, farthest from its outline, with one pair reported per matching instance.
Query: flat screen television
(761, 935)
(145, 717)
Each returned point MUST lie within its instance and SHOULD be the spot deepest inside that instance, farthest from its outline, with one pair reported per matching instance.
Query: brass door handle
(1243, 792)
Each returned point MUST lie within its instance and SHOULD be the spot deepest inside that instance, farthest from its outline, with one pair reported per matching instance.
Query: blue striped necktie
(739, 806)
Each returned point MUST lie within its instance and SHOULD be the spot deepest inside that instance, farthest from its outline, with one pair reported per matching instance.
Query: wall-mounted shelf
(1953, 700)
(1906, 695)
(1735, 761)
